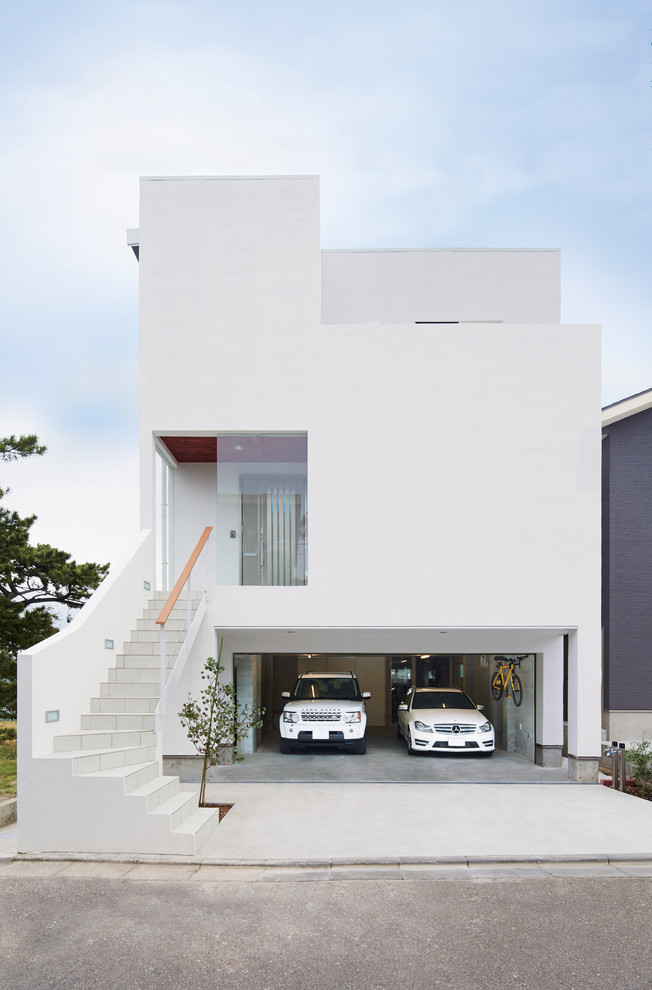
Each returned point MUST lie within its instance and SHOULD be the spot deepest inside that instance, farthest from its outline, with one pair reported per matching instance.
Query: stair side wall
(105, 819)
(62, 673)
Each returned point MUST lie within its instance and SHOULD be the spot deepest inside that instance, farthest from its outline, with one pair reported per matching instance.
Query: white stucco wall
(195, 507)
(444, 485)
(410, 286)
(454, 470)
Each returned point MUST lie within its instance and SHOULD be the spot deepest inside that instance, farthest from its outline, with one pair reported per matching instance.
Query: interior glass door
(262, 509)
(273, 531)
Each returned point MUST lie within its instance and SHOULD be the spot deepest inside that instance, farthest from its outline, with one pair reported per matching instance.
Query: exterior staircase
(114, 752)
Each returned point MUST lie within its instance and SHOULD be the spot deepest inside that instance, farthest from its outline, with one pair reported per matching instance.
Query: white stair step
(158, 604)
(178, 615)
(157, 791)
(151, 648)
(153, 636)
(179, 807)
(133, 775)
(90, 740)
(145, 660)
(173, 624)
(83, 762)
(133, 675)
(201, 824)
(124, 689)
(114, 720)
(124, 705)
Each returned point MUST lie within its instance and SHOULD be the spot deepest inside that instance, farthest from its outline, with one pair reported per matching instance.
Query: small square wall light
(53, 716)
(108, 644)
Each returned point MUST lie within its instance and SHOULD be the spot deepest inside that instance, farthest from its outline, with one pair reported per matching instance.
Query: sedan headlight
(290, 716)
(421, 726)
(485, 727)
(352, 717)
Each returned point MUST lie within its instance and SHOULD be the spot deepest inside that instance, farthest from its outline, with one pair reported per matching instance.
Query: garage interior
(388, 678)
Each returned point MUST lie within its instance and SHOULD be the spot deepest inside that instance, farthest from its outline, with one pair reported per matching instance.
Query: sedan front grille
(321, 715)
(441, 744)
(453, 728)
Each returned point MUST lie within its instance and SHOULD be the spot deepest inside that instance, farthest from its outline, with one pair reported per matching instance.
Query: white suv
(325, 709)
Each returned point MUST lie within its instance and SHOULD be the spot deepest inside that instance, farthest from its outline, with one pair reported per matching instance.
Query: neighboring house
(627, 567)
(398, 457)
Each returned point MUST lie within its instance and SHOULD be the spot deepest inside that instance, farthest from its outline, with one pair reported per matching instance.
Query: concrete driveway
(386, 761)
(387, 807)
(376, 822)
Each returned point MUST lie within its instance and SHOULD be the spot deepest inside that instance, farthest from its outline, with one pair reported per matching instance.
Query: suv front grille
(448, 729)
(321, 715)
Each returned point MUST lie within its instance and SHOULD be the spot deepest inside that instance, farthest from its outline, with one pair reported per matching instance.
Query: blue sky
(432, 123)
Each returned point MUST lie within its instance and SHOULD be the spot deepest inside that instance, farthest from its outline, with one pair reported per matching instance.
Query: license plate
(455, 741)
(320, 732)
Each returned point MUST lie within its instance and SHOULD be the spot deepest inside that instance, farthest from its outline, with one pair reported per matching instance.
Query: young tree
(31, 578)
(216, 723)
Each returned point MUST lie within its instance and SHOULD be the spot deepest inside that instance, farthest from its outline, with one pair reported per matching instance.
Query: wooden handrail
(176, 591)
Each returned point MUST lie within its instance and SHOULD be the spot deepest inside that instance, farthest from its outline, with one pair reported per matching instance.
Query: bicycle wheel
(497, 685)
(517, 690)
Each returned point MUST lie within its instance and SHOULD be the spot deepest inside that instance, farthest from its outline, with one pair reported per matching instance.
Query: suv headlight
(421, 726)
(485, 727)
(290, 717)
(352, 716)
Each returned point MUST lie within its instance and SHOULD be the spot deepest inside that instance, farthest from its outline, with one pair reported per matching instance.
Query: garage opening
(262, 679)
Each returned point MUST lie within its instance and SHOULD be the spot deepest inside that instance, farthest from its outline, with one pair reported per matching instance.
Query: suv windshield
(441, 699)
(327, 688)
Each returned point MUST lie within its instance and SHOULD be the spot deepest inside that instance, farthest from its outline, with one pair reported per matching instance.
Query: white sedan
(444, 719)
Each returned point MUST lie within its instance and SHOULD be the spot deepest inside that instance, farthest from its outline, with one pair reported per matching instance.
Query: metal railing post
(189, 603)
(161, 638)
(615, 764)
(160, 710)
(623, 767)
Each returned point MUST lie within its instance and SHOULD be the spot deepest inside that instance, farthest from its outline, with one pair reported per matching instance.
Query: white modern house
(384, 461)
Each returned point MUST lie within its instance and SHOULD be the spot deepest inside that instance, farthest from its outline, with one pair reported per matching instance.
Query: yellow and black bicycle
(506, 678)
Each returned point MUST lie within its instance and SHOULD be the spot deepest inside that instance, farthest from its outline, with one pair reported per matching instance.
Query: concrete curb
(614, 859)
(8, 811)
(568, 870)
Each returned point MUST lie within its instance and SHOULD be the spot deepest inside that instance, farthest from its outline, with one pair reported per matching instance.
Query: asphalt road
(549, 933)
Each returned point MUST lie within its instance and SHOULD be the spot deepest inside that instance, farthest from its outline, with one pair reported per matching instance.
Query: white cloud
(86, 500)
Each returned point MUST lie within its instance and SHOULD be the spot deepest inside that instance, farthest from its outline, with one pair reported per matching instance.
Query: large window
(262, 509)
